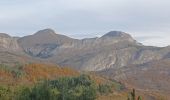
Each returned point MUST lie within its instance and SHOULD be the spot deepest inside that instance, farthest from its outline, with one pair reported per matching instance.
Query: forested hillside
(46, 81)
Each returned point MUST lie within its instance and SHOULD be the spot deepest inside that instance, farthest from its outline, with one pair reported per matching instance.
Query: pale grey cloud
(89, 18)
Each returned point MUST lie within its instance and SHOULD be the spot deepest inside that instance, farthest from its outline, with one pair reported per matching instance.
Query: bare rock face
(8, 43)
(115, 49)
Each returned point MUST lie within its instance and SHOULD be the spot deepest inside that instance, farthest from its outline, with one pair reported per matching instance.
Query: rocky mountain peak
(116, 34)
(113, 37)
(4, 35)
(45, 32)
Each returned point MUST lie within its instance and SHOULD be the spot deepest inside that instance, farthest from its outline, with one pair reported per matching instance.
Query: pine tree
(133, 94)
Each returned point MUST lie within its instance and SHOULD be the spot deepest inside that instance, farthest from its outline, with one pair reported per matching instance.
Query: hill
(15, 79)
(150, 78)
(31, 73)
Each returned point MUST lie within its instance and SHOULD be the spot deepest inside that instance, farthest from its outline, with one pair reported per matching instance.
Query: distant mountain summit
(46, 36)
(4, 35)
(116, 34)
(113, 37)
(45, 32)
(42, 43)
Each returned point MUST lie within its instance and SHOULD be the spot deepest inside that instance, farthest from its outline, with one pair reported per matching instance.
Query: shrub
(23, 94)
(104, 89)
(118, 86)
(5, 93)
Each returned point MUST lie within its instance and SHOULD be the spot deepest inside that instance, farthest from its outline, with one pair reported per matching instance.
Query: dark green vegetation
(65, 88)
(105, 89)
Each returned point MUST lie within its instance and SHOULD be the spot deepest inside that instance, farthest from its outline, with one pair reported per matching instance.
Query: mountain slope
(151, 78)
(30, 73)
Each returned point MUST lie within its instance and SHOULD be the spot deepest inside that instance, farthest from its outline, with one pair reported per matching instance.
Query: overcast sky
(146, 20)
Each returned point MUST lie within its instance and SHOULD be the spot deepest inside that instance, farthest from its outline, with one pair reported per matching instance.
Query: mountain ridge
(113, 50)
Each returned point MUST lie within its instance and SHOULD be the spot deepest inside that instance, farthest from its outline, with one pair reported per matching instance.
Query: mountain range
(116, 55)
(115, 49)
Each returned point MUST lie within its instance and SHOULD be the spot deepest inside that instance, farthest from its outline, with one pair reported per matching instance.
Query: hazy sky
(146, 20)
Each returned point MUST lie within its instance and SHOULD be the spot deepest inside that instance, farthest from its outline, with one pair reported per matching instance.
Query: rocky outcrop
(8, 43)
